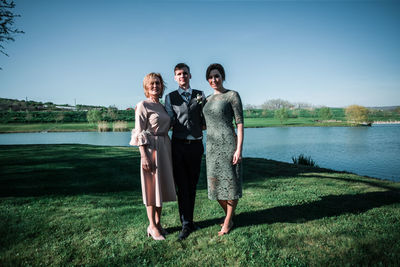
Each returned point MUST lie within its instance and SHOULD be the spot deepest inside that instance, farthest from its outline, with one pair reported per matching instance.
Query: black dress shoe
(186, 231)
(195, 227)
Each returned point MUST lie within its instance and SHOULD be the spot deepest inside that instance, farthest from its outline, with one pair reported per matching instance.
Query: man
(184, 106)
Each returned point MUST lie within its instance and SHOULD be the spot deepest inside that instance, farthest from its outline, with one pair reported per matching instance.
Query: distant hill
(387, 108)
(22, 105)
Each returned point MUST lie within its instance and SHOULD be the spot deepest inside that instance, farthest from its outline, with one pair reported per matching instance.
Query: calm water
(372, 151)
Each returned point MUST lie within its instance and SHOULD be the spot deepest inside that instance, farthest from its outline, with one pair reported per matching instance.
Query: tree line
(284, 110)
(20, 111)
(108, 115)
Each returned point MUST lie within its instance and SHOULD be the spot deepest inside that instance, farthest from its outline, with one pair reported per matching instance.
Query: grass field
(81, 205)
(51, 127)
(272, 122)
(87, 127)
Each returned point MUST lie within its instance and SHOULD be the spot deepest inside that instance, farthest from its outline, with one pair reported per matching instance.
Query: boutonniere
(199, 99)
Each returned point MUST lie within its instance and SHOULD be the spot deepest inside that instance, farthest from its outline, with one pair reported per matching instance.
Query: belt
(187, 141)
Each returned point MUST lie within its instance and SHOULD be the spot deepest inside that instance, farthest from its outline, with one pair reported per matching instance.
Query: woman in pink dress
(152, 123)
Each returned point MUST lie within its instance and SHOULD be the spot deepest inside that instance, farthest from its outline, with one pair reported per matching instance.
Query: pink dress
(152, 123)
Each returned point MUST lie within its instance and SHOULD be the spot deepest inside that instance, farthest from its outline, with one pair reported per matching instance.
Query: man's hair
(146, 81)
(180, 66)
(217, 67)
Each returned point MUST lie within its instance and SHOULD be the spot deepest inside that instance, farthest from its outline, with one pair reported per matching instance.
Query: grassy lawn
(87, 127)
(272, 122)
(51, 127)
(81, 205)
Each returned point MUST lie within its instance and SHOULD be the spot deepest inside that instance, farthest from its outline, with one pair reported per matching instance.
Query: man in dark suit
(184, 106)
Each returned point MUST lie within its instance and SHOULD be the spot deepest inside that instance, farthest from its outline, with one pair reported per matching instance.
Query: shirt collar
(189, 90)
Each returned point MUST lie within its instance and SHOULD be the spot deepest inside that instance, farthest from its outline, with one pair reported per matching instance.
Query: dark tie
(186, 95)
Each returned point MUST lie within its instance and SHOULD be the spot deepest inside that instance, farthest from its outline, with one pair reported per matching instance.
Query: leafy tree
(264, 113)
(248, 113)
(325, 113)
(282, 114)
(28, 116)
(112, 112)
(275, 104)
(59, 116)
(7, 31)
(93, 115)
(356, 114)
(249, 106)
(302, 105)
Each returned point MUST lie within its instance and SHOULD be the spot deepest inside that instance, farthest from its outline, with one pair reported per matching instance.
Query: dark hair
(217, 67)
(180, 66)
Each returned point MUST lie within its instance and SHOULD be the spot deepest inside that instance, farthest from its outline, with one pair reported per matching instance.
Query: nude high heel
(226, 231)
(152, 234)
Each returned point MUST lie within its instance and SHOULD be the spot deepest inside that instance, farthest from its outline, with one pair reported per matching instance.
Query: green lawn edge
(82, 205)
(88, 127)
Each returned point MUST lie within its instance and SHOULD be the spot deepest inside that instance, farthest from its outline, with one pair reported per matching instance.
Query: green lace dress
(223, 178)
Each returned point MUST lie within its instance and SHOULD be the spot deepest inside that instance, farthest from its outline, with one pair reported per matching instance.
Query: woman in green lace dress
(224, 146)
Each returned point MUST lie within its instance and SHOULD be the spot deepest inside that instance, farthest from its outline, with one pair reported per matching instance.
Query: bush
(304, 160)
(102, 126)
(93, 115)
(282, 114)
(357, 114)
(120, 126)
(325, 113)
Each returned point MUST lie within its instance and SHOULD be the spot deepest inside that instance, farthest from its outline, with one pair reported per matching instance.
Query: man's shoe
(186, 231)
(195, 227)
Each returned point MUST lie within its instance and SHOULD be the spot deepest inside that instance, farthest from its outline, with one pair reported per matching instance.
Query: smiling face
(215, 80)
(154, 88)
(182, 77)
(153, 85)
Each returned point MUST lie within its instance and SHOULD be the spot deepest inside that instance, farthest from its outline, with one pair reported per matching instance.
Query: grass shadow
(328, 206)
(37, 170)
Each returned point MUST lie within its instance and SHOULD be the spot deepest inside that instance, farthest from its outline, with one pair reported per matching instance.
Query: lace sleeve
(237, 107)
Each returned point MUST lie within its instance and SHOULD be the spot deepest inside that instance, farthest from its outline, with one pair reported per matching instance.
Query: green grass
(87, 127)
(273, 122)
(51, 127)
(82, 205)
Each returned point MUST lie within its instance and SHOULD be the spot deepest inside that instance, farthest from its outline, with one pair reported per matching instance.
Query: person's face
(215, 79)
(182, 77)
(154, 87)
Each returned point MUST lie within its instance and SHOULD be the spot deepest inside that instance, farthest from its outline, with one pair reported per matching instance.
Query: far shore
(249, 123)
(386, 122)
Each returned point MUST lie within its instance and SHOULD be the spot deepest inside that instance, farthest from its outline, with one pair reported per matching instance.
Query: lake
(371, 151)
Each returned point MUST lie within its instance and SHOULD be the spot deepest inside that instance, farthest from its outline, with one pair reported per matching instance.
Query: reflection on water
(372, 151)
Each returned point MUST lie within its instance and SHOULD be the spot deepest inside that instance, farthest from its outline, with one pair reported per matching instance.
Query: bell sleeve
(140, 135)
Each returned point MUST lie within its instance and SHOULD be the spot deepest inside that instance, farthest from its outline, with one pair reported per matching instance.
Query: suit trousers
(186, 162)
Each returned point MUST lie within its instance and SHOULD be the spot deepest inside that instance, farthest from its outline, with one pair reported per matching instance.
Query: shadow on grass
(37, 170)
(257, 170)
(328, 206)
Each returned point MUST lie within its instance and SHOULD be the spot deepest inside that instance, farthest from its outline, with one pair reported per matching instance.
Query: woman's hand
(147, 164)
(237, 157)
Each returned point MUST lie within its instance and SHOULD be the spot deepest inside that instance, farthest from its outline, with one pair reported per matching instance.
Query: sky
(325, 53)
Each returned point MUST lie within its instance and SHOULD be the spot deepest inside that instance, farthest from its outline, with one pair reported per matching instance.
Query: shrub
(93, 115)
(282, 114)
(102, 126)
(120, 126)
(325, 113)
(357, 114)
(304, 160)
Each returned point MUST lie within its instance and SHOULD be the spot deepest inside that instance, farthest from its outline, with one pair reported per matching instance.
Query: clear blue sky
(332, 53)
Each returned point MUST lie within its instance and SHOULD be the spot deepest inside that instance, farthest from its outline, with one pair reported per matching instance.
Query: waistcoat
(189, 118)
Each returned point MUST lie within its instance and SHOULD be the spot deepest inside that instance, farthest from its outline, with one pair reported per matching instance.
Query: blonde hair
(146, 81)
